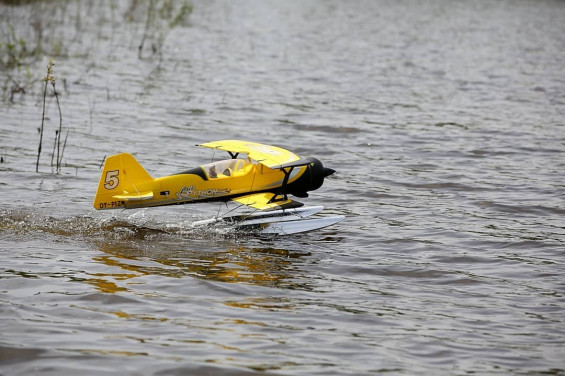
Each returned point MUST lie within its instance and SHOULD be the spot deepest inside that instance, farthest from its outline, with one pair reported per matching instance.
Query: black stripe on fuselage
(194, 171)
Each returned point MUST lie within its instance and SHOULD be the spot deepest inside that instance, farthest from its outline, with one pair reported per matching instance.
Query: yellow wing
(270, 156)
(262, 201)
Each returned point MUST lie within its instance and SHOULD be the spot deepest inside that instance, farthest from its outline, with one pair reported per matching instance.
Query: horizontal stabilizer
(262, 201)
(141, 196)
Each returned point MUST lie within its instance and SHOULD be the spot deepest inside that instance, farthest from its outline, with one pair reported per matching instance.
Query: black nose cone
(312, 179)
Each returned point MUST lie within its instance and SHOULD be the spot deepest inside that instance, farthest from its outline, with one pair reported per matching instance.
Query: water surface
(444, 120)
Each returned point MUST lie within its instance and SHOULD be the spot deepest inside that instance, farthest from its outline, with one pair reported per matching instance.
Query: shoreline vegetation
(35, 31)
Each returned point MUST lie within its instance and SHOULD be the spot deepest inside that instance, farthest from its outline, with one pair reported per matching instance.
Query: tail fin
(122, 179)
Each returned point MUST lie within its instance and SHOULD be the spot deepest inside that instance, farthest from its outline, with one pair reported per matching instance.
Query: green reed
(49, 79)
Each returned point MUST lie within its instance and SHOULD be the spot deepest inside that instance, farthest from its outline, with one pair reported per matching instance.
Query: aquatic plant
(22, 47)
(13, 48)
(31, 30)
(15, 55)
(160, 18)
(46, 80)
(49, 79)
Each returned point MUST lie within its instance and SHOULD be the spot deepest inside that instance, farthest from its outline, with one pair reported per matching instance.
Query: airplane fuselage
(125, 184)
(262, 179)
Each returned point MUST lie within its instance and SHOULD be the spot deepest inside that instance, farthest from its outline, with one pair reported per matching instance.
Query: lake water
(445, 123)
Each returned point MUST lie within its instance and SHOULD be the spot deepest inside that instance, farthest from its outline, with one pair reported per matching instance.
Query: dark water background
(444, 120)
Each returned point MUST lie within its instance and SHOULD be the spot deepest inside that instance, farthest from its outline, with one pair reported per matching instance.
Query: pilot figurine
(212, 172)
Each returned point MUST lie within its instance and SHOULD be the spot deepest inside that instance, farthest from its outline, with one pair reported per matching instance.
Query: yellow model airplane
(262, 179)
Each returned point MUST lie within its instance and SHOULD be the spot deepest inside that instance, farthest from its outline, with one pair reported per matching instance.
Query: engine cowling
(310, 180)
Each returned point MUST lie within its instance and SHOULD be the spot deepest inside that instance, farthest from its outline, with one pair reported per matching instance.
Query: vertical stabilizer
(122, 175)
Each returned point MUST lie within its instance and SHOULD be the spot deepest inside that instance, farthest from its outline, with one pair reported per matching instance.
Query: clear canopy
(224, 168)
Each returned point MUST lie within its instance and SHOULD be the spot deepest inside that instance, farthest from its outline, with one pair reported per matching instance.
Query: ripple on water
(443, 122)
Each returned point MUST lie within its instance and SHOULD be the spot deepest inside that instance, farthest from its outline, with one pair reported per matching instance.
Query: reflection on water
(153, 249)
(259, 266)
(270, 303)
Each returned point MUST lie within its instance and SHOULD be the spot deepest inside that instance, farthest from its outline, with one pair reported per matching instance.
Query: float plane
(257, 176)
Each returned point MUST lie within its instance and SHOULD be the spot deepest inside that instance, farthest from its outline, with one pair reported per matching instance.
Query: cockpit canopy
(227, 167)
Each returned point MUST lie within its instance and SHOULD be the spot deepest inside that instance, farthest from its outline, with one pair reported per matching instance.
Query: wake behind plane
(256, 175)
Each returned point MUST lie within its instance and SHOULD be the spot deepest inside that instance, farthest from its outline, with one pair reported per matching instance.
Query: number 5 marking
(112, 180)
